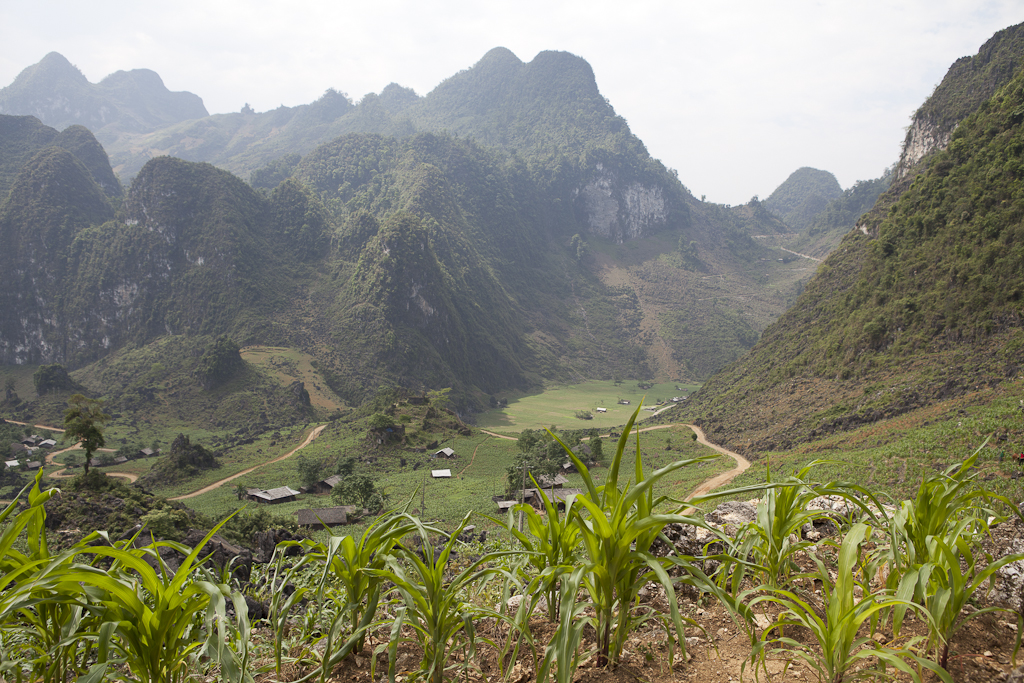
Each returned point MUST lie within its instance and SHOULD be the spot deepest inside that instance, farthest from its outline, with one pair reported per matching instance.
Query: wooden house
(557, 482)
(446, 453)
(281, 494)
(324, 485)
(325, 517)
(556, 496)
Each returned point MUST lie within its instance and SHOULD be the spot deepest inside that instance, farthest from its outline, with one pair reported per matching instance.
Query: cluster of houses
(319, 518)
(23, 453)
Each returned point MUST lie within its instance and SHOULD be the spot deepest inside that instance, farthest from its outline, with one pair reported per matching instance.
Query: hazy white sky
(734, 94)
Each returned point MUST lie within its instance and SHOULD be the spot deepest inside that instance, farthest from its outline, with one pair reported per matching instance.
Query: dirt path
(25, 424)
(498, 436)
(476, 449)
(206, 489)
(742, 464)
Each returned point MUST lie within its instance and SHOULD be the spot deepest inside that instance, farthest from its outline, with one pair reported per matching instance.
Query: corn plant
(550, 546)
(944, 585)
(155, 624)
(844, 653)
(774, 538)
(949, 506)
(43, 629)
(617, 526)
(348, 586)
(563, 651)
(434, 608)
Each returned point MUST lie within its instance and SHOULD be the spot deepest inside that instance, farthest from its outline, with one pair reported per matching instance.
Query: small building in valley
(558, 481)
(281, 494)
(324, 485)
(445, 453)
(325, 517)
(441, 474)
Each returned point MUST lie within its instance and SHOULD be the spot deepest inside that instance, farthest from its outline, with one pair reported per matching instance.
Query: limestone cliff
(969, 82)
(620, 210)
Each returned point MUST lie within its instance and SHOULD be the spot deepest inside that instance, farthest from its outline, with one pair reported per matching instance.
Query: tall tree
(83, 423)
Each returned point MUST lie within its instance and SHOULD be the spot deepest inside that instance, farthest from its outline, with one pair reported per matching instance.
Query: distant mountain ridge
(59, 95)
(542, 243)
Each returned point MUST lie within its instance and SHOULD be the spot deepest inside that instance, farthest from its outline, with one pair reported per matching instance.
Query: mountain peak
(58, 94)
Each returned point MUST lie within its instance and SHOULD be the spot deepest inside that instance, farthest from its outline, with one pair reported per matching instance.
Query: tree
(595, 450)
(361, 491)
(439, 399)
(51, 379)
(380, 421)
(309, 469)
(83, 423)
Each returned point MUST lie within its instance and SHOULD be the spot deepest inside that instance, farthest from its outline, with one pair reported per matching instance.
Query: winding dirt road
(742, 464)
(206, 489)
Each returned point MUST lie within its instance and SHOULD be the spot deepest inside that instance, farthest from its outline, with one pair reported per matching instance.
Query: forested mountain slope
(928, 305)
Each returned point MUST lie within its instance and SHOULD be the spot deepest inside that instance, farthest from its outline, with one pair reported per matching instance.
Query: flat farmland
(557, 405)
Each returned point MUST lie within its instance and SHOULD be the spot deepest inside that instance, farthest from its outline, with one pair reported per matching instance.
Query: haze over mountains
(503, 230)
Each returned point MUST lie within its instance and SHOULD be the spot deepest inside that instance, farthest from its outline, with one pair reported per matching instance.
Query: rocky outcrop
(620, 210)
(923, 138)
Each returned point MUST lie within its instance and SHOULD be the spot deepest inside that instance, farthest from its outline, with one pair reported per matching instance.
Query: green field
(557, 405)
(478, 473)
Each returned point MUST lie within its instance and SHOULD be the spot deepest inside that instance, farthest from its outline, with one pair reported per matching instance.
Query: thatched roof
(328, 516)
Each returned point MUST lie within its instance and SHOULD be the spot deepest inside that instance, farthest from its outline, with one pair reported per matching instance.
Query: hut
(446, 453)
(556, 496)
(556, 482)
(324, 485)
(325, 517)
(281, 494)
(441, 474)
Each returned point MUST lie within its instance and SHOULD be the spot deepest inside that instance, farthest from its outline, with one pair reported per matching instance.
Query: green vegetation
(928, 308)
(402, 572)
(83, 424)
(804, 195)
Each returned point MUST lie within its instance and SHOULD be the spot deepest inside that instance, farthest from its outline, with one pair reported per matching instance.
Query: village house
(326, 517)
(441, 474)
(281, 494)
(445, 453)
(557, 496)
(324, 485)
(558, 481)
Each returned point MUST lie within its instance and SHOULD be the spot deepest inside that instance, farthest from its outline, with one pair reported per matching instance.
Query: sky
(733, 94)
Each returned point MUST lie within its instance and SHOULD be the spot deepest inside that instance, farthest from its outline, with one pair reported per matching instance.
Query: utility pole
(522, 496)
